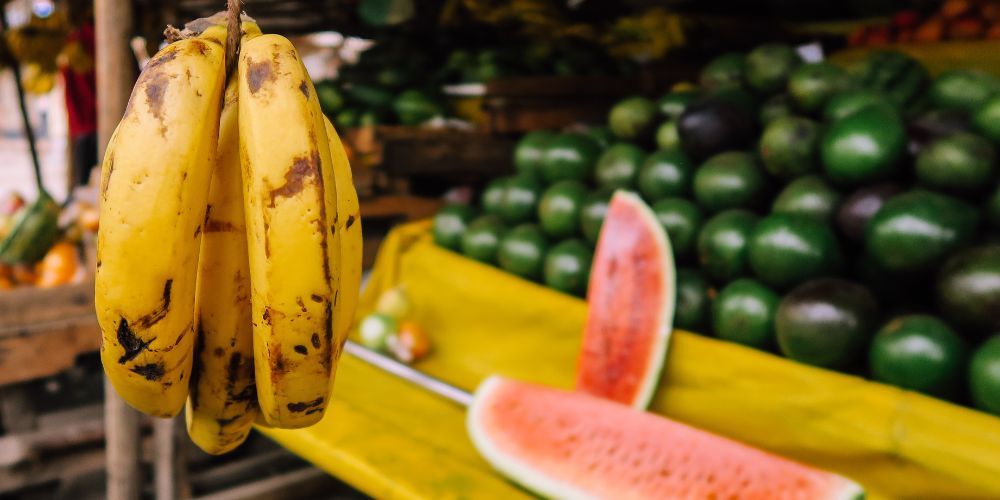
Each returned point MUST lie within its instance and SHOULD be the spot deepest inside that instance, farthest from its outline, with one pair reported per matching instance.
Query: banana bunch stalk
(229, 251)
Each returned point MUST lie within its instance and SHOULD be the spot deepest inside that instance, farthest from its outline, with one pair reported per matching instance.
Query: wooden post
(115, 77)
(164, 474)
(115, 64)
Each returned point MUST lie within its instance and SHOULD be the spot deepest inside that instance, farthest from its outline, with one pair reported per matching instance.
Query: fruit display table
(392, 440)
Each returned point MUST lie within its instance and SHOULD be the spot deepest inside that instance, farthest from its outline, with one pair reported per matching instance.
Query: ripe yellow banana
(349, 229)
(153, 197)
(291, 206)
(222, 404)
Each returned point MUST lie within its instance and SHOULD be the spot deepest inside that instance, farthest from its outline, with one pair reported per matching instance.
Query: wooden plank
(17, 410)
(18, 448)
(240, 471)
(453, 154)
(40, 354)
(401, 206)
(562, 86)
(55, 467)
(292, 485)
(28, 305)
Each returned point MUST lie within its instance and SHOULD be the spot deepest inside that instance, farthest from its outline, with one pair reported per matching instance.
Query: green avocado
(723, 244)
(672, 104)
(481, 239)
(529, 154)
(958, 163)
(787, 250)
(667, 137)
(743, 312)
(962, 89)
(595, 208)
(633, 119)
(849, 102)
(986, 119)
(559, 209)
(968, 289)
(491, 199)
(790, 146)
(920, 353)
(522, 251)
(775, 107)
(810, 196)
(520, 199)
(682, 220)
(984, 376)
(618, 167)
(730, 180)
(567, 267)
(826, 322)
(665, 173)
(768, 66)
(863, 147)
(569, 156)
(723, 71)
(813, 85)
(694, 301)
(450, 223)
(917, 230)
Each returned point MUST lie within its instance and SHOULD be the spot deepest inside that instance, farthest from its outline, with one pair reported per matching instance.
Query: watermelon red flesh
(572, 445)
(630, 305)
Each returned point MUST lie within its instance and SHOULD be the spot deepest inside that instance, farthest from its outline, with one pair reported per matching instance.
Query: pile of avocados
(393, 84)
(846, 218)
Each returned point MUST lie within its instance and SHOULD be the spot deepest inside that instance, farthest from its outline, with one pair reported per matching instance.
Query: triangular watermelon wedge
(630, 305)
(570, 445)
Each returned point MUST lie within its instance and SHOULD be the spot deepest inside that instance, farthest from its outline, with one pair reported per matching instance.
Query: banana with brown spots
(222, 404)
(154, 192)
(291, 207)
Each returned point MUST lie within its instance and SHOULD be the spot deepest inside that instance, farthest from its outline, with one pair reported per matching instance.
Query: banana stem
(28, 131)
(232, 34)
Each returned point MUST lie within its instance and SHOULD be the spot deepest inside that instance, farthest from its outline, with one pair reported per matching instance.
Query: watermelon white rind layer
(630, 236)
(571, 445)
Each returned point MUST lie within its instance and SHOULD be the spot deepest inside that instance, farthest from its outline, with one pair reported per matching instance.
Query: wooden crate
(520, 104)
(42, 331)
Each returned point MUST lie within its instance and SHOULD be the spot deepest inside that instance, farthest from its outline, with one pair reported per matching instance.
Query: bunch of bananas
(229, 250)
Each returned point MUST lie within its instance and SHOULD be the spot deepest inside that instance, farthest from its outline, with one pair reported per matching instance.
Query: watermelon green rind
(562, 444)
(617, 244)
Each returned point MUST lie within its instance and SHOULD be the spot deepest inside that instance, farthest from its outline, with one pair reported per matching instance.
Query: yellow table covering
(393, 440)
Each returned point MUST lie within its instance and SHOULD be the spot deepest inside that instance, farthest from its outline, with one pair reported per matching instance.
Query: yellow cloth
(393, 440)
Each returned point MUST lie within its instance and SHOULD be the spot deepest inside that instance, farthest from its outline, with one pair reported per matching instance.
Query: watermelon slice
(630, 305)
(572, 445)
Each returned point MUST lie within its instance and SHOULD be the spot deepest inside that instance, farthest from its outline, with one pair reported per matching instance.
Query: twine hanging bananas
(229, 254)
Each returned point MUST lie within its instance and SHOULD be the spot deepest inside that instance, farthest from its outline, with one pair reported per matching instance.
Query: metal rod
(28, 131)
(445, 390)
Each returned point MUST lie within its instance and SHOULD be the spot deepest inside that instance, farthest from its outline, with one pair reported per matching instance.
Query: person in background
(77, 68)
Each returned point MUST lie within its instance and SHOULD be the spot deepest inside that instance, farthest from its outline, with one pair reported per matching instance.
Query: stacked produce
(386, 86)
(232, 293)
(842, 218)
(35, 249)
(392, 84)
(953, 20)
